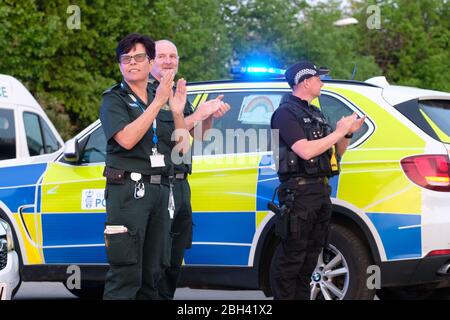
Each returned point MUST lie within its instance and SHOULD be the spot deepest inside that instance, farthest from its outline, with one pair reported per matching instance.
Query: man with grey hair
(166, 60)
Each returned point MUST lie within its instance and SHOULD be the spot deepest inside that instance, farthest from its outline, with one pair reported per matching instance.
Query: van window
(51, 144)
(34, 134)
(7, 135)
(246, 127)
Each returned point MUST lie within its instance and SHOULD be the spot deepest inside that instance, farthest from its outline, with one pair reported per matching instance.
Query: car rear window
(437, 114)
(431, 116)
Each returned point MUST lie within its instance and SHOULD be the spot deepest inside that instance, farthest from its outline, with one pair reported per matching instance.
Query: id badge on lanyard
(156, 159)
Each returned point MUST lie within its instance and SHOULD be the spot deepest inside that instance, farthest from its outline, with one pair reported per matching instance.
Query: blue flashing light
(264, 70)
(258, 71)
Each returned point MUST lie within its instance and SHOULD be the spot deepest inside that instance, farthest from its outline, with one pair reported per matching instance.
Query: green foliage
(263, 30)
(197, 28)
(412, 46)
(68, 69)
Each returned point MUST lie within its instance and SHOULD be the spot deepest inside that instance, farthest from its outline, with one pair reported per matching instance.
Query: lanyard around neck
(136, 101)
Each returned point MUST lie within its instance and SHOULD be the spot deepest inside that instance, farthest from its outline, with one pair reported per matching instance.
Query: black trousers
(296, 257)
(181, 234)
(138, 257)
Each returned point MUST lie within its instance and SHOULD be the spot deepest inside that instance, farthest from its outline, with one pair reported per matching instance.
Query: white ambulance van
(26, 133)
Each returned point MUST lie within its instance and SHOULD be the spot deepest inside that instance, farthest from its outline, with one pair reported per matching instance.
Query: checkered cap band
(302, 73)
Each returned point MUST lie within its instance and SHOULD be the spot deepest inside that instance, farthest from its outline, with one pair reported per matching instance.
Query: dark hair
(130, 41)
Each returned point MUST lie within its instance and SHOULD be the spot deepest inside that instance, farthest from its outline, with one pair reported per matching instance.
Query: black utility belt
(180, 176)
(119, 176)
(152, 179)
(302, 180)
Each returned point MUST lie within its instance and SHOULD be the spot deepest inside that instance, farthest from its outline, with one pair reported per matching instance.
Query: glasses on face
(126, 59)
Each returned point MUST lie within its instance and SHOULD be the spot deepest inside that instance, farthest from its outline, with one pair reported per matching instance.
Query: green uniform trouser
(181, 238)
(138, 257)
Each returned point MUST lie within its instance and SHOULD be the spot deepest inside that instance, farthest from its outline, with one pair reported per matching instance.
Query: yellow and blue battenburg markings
(19, 192)
(372, 179)
(55, 205)
(72, 234)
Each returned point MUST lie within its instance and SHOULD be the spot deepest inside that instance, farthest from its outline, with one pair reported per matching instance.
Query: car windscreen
(431, 116)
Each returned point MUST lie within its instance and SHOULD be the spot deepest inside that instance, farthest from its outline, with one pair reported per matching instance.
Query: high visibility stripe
(196, 100)
(203, 99)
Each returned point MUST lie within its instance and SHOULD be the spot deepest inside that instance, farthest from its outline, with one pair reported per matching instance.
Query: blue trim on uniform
(21, 175)
(399, 243)
(73, 228)
(217, 255)
(267, 183)
(235, 227)
(75, 255)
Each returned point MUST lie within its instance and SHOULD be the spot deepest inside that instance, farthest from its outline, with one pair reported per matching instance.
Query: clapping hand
(164, 90)
(215, 108)
(349, 124)
(357, 124)
(177, 101)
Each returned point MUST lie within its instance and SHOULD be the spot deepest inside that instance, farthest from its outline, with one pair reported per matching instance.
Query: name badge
(157, 160)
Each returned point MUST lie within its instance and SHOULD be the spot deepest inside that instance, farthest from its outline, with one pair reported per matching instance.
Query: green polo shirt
(119, 107)
(166, 123)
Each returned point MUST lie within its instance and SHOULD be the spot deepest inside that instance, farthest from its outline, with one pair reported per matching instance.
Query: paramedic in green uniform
(138, 194)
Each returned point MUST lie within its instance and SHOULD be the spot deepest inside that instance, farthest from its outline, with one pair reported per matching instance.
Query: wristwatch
(349, 135)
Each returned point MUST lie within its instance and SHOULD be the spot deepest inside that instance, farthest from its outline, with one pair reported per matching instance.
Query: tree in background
(198, 29)
(263, 31)
(412, 45)
(317, 38)
(68, 69)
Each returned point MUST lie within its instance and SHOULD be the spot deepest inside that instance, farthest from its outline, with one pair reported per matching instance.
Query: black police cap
(301, 71)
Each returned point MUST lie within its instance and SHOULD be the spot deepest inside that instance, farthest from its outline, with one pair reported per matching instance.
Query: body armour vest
(315, 126)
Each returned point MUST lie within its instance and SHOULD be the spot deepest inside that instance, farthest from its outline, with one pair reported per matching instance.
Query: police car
(390, 227)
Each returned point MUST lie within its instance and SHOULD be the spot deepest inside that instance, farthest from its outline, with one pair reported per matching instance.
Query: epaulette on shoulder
(111, 88)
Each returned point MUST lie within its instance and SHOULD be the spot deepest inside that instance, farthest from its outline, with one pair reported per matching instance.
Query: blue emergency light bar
(257, 71)
(261, 72)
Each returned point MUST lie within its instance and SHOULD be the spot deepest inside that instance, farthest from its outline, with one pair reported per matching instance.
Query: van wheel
(341, 271)
(90, 290)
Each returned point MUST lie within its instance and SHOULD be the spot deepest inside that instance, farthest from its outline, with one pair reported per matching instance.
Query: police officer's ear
(151, 61)
(306, 83)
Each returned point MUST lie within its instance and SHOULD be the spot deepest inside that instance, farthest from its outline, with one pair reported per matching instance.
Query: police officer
(166, 59)
(138, 197)
(309, 152)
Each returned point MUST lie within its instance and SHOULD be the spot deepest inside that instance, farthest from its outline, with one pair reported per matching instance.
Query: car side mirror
(72, 150)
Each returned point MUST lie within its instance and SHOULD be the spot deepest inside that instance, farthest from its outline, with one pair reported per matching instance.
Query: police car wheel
(90, 290)
(341, 271)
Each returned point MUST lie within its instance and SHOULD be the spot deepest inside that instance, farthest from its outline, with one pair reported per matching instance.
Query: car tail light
(428, 171)
(439, 253)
